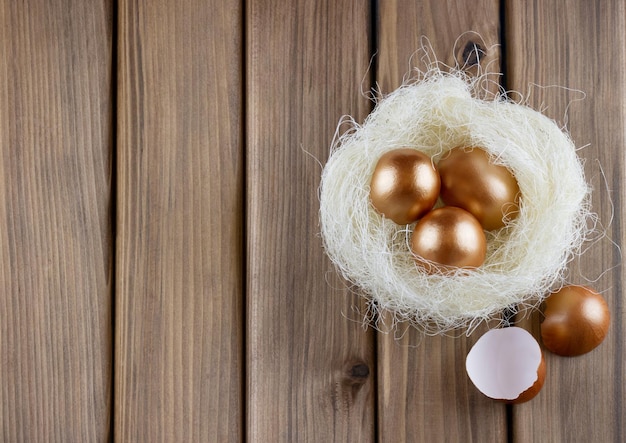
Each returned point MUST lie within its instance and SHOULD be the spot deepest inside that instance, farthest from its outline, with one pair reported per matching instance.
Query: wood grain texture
(310, 366)
(424, 393)
(414, 33)
(55, 230)
(580, 45)
(179, 287)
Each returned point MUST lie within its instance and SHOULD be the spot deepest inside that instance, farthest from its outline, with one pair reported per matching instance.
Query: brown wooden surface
(310, 371)
(583, 49)
(423, 390)
(200, 306)
(55, 230)
(179, 261)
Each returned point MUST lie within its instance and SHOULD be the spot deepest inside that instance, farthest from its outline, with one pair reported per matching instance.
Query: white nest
(525, 259)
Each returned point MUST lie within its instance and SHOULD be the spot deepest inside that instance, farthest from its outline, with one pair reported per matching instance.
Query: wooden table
(162, 274)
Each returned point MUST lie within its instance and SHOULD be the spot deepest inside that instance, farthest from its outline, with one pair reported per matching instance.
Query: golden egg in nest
(448, 238)
(405, 185)
(470, 180)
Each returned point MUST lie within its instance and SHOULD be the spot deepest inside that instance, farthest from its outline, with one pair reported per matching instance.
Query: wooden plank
(55, 207)
(310, 367)
(179, 288)
(577, 45)
(424, 393)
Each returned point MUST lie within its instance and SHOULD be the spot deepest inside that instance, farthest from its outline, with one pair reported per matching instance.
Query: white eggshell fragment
(507, 364)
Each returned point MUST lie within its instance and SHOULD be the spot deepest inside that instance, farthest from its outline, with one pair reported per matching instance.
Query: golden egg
(450, 237)
(405, 185)
(470, 180)
(576, 321)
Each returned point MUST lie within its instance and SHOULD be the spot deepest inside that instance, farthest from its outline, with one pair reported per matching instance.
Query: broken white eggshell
(507, 364)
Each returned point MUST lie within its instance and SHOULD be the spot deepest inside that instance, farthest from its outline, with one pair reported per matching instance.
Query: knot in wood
(360, 372)
(472, 54)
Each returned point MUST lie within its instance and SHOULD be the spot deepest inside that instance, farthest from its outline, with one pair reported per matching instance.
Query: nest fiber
(525, 259)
